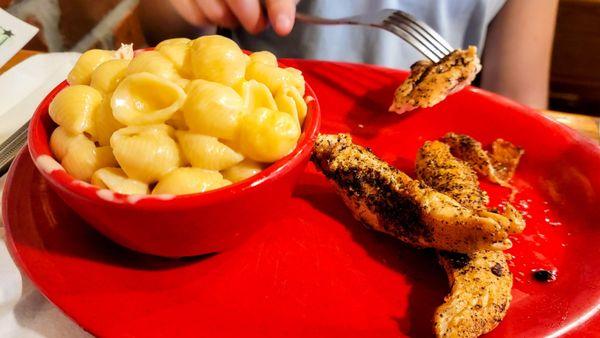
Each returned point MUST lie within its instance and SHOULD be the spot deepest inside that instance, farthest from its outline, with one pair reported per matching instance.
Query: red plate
(318, 272)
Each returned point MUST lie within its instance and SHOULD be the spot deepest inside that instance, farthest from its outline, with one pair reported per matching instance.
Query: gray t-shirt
(460, 22)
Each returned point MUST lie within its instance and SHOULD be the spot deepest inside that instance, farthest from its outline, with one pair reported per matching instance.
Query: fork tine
(426, 29)
(424, 40)
(415, 32)
(399, 31)
(419, 34)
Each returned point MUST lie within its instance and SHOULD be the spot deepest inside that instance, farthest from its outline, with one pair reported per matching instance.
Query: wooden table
(587, 125)
(20, 56)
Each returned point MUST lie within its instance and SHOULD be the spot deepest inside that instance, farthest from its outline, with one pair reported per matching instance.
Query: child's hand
(232, 13)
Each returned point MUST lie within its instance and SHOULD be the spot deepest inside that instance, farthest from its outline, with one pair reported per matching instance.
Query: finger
(190, 12)
(282, 14)
(249, 14)
(218, 13)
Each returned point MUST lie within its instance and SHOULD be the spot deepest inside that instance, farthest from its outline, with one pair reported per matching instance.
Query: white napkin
(23, 87)
(24, 312)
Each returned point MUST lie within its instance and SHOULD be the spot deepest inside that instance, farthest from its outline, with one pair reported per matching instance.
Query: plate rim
(572, 135)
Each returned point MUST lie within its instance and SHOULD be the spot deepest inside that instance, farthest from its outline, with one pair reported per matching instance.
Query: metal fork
(10, 147)
(415, 32)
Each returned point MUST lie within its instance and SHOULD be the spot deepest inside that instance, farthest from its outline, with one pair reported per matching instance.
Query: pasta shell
(219, 59)
(74, 106)
(212, 109)
(296, 79)
(243, 170)
(177, 121)
(144, 98)
(272, 76)
(189, 181)
(207, 152)
(104, 123)
(290, 101)
(152, 62)
(264, 57)
(146, 153)
(116, 180)
(177, 51)
(198, 83)
(61, 139)
(266, 135)
(181, 82)
(275, 77)
(107, 76)
(256, 95)
(81, 73)
(83, 158)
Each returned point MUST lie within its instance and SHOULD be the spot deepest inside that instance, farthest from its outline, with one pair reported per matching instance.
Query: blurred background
(79, 25)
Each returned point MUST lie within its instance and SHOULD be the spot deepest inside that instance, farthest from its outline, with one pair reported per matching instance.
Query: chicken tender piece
(445, 173)
(499, 165)
(505, 158)
(430, 83)
(439, 169)
(387, 200)
(479, 297)
(480, 281)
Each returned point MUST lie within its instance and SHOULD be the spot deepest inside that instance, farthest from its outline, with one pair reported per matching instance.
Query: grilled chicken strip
(480, 281)
(479, 297)
(439, 169)
(387, 200)
(499, 165)
(430, 83)
(436, 166)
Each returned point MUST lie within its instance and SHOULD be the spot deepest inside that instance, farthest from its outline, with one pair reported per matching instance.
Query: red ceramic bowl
(183, 225)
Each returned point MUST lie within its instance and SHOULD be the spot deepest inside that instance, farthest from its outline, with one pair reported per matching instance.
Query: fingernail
(283, 23)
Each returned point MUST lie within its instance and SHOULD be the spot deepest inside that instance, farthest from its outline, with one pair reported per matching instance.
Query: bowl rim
(38, 140)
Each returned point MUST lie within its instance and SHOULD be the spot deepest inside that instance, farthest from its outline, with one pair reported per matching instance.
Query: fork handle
(311, 19)
(10, 148)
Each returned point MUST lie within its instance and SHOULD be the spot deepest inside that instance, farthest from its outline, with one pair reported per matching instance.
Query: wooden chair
(575, 76)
